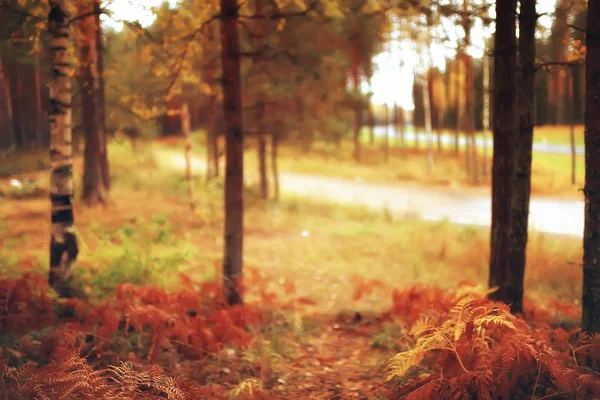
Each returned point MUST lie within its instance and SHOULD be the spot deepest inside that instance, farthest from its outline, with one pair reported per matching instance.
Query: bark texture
(358, 106)
(522, 148)
(260, 112)
(8, 140)
(505, 126)
(94, 189)
(63, 241)
(209, 71)
(591, 241)
(102, 96)
(234, 152)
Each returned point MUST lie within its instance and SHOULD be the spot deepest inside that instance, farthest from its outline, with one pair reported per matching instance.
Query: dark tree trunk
(94, 190)
(262, 161)
(386, 139)
(63, 240)
(39, 119)
(274, 166)
(590, 319)
(371, 122)
(105, 170)
(260, 113)
(470, 118)
(402, 123)
(8, 137)
(458, 107)
(358, 106)
(571, 116)
(505, 126)
(22, 120)
(234, 152)
(522, 148)
(212, 145)
(212, 138)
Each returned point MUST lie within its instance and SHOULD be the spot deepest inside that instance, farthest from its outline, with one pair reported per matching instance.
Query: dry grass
(320, 247)
(316, 267)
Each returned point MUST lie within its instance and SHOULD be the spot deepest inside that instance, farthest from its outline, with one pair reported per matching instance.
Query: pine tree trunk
(591, 241)
(386, 139)
(505, 126)
(260, 113)
(63, 241)
(402, 132)
(571, 116)
(458, 111)
(262, 163)
(5, 92)
(40, 121)
(358, 105)
(274, 166)
(428, 128)
(94, 190)
(469, 96)
(470, 118)
(21, 110)
(234, 152)
(105, 169)
(185, 129)
(212, 145)
(371, 120)
(522, 148)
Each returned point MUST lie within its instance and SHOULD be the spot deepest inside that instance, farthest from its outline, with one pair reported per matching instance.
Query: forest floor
(333, 292)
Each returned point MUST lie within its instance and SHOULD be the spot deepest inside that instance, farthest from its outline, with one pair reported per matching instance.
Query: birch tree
(63, 240)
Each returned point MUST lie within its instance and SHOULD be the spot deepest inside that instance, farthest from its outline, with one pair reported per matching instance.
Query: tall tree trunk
(396, 122)
(522, 148)
(185, 129)
(386, 139)
(274, 166)
(22, 109)
(486, 112)
(427, 100)
(94, 190)
(40, 121)
(590, 318)
(63, 241)
(371, 120)
(402, 123)
(7, 109)
(105, 169)
(428, 128)
(457, 127)
(470, 95)
(571, 116)
(505, 127)
(262, 164)
(234, 152)
(358, 105)
(260, 113)
(210, 72)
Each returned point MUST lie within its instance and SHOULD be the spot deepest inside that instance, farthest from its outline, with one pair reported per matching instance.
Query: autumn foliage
(465, 346)
(457, 344)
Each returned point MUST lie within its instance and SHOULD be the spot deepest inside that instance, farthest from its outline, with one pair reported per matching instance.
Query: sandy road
(459, 205)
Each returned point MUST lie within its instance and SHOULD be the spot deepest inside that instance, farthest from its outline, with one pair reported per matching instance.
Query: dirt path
(461, 205)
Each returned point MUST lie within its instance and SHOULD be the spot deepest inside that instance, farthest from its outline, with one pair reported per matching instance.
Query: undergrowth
(467, 347)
